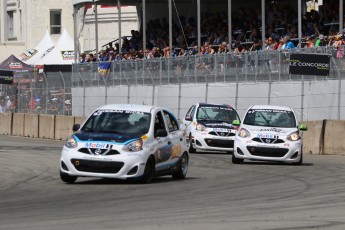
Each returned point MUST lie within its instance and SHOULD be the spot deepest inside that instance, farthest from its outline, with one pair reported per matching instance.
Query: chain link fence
(51, 93)
(48, 93)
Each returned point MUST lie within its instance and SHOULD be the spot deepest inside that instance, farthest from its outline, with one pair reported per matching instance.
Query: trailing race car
(126, 141)
(209, 127)
(269, 133)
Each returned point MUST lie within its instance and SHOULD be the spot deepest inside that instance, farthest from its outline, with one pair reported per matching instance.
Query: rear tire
(191, 149)
(182, 168)
(149, 171)
(236, 160)
(67, 178)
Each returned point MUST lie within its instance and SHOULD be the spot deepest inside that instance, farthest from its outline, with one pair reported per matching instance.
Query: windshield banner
(6, 77)
(309, 64)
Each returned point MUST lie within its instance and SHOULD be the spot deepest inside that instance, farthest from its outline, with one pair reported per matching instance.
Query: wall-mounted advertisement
(310, 64)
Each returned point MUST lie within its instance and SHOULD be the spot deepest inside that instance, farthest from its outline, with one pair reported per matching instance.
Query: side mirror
(236, 123)
(76, 127)
(188, 118)
(302, 127)
(161, 133)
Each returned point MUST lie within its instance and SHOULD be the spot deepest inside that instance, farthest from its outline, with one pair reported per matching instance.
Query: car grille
(95, 151)
(97, 166)
(268, 140)
(267, 152)
(219, 143)
(221, 134)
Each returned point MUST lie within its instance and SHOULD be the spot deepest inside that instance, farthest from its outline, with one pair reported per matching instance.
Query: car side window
(159, 121)
(171, 121)
(193, 111)
(190, 112)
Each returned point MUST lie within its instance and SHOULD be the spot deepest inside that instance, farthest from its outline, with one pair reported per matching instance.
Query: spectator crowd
(318, 29)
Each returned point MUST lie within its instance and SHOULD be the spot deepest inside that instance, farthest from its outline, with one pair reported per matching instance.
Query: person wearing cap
(112, 55)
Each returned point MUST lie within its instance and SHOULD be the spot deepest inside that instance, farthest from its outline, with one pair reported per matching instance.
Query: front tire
(300, 162)
(67, 178)
(149, 171)
(236, 160)
(182, 168)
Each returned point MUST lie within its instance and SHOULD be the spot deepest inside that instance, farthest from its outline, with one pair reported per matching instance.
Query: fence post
(302, 98)
(236, 97)
(339, 98)
(128, 93)
(47, 92)
(64, 93)
(206, 93)
(153, 94)
(179, 101)
(269, 88)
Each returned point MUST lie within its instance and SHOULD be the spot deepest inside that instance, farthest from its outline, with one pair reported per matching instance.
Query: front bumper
(205, 141)
(289, 151)
(120, 166)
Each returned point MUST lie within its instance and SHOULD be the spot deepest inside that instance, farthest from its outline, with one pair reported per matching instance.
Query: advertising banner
(6, 77)
(309, 64)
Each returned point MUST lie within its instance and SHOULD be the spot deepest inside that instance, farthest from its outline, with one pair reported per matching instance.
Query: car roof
(213, 104)
(277, 107)
(132, 107)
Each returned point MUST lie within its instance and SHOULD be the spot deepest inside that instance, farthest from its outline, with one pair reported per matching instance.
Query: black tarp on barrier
(6, 77)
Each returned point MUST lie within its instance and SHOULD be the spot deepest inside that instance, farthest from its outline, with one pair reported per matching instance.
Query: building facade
(23, 23)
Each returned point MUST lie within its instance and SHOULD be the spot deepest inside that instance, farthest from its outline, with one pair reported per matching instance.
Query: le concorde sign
(310, 64)
(6, 77)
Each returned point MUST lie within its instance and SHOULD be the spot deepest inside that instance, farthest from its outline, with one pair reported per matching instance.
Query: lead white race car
(269, 133)
(126, 142)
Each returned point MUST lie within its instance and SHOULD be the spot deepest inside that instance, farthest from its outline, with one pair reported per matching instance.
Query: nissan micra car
(269, 133)
(209, 127)
(125, 141)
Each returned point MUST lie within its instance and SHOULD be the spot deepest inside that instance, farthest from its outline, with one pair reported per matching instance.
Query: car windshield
(270, 118)
(217, 113)
(122, 122)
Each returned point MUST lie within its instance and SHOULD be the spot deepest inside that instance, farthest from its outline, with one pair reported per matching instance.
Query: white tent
(62, 54)
(31, 56)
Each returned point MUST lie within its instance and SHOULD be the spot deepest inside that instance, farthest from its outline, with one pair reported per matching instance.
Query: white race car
(126, 141)
(269, 133)
(209, 127)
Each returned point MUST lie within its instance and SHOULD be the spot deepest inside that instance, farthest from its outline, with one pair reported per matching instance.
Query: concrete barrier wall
(6, 123)
(46, 127)
(334, 137)
(31, 125)
(18, 124)
(322, 137)
(63, 127)
(312, 137)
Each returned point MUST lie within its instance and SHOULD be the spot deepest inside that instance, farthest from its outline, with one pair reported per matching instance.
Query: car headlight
(134, 146)
(243, 133)
(293, 136)
(71, 143)
(200, 127)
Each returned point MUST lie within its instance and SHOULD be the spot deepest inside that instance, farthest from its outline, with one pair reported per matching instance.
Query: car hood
(91, 136)
(216, 124)
(254, 130)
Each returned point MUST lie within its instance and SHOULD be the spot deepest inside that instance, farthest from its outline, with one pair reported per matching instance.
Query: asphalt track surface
(215, 195)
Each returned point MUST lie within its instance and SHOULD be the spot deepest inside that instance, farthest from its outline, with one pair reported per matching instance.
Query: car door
(188, 120)
(176, 137)
(163, 146)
